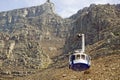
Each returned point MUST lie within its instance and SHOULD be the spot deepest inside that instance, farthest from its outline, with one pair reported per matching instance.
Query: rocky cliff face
(20, 15)
(26, 36)
(100, 24)
(33, 38)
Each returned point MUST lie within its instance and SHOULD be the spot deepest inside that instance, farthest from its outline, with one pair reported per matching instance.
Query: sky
(64, 8)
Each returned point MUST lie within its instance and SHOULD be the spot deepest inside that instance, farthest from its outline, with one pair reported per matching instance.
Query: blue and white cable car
(79, 61)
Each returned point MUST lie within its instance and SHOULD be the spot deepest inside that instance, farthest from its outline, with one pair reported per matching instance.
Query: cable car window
(88, 57)
(72, 57)
(77, 56)
(82, 56)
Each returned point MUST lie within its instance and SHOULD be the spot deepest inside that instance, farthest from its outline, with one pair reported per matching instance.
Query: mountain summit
(48, 7)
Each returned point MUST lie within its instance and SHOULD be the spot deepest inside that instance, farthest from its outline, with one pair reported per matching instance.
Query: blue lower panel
(79, 67)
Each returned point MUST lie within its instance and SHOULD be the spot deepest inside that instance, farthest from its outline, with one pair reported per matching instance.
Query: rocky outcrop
(47, 7)
(42, 16)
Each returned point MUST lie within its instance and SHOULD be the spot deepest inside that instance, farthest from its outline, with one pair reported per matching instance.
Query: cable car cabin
(79, 61)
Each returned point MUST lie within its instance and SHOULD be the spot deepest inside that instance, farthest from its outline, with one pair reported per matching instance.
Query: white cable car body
(78, 60)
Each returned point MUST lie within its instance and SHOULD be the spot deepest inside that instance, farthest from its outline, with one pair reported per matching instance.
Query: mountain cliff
(100, 24)
(35, 43)
(29, 36)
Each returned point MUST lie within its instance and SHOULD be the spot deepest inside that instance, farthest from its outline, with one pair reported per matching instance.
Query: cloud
(15, 4)
(65, 8)
(34, 2)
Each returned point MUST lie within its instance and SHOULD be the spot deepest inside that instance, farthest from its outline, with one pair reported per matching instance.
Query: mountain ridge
(36, 40)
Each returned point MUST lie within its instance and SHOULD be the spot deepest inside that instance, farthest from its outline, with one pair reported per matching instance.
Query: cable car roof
(81, 53)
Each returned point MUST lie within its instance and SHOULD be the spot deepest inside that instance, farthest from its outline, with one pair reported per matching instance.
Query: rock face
(33, 38)
(26, 36)
(42, 16)
(100, 24)
(22, 50)
(15, 15)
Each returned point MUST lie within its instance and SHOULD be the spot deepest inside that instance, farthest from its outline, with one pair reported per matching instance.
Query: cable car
(78, 60)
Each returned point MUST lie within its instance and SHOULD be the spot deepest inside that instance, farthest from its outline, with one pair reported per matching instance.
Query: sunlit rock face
(100, 24)
(28, 36)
